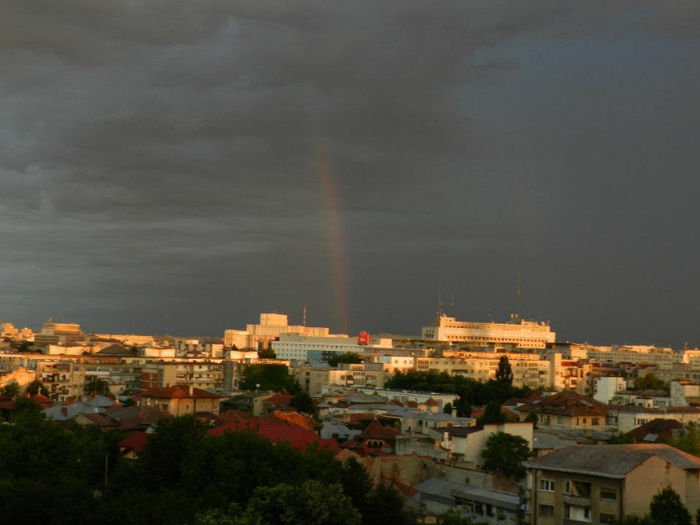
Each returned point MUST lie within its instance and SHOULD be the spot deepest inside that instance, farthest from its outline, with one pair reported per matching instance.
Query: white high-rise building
(517, 332)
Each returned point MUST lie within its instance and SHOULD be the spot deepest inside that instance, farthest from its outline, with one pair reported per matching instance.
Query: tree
(649, 382)
(505, 453)
(504, 374)
(454, 517)
(464, 408)
(310, 502)
(492, 414)
(11, 389)
(302, 402)
(96, 385)
(666, 508)
(447, 409)
(36, 387)
(688, 440)
(267, 377)
(347, 357)
(267, 353)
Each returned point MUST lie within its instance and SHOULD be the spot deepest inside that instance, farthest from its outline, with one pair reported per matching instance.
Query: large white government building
(517, 332)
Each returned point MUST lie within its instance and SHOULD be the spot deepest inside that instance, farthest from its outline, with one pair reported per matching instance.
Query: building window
(546, 510)
(607, 518)
(547, 485)
(608, 494)
(594, 421)
(578, 489)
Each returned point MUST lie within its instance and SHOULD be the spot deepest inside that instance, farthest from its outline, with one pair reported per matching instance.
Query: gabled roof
(655, 430)
(611, 461)
(375, 430)
(135, 441)
(179, 392)
(277, 431)
(566, 403)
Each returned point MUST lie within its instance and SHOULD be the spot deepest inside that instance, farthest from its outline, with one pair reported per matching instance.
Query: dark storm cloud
(160, 161)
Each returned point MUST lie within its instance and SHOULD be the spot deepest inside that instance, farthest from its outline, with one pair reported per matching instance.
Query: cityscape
(298, 262)
(542, 430)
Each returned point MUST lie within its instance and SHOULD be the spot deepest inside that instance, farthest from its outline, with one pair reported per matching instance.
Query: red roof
(135, 441)
(277, 431)
(179, 392)
(375, 430)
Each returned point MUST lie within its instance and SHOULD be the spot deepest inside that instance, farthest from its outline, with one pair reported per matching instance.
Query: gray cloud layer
(160, 163)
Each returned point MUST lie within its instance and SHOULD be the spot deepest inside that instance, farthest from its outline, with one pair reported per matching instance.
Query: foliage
(24, 346)
(447, 409)
(11, 389)
(302, 402)
(36, 387)
(464, 408)
(454, 517)
(688, 440)
(650, 382)
(347, 357)
(505, 453)
(666, 508)
(470, 391)
(384, 506)
(504, 374)
(50, 473)
(267, 353)
(532, 418)
(492, 414)
(96, 385)
(268, 377)
(311, 502)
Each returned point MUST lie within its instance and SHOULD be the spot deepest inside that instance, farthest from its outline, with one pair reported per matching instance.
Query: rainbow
(336, 236)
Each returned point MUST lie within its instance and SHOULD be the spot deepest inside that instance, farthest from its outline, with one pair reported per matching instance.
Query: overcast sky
(178, 167)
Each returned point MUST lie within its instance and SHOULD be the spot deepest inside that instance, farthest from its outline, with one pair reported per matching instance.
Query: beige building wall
(518, 332)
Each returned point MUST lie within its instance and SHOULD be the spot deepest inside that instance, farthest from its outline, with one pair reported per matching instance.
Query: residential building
(605, 483)
(567, 410)
(179, 400)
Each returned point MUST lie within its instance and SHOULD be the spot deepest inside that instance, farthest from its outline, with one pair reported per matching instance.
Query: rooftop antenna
(345, 324)
(452, 302)
(303, 316)
(439, 305)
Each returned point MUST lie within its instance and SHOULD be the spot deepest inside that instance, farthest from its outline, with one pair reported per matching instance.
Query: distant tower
(517, 297)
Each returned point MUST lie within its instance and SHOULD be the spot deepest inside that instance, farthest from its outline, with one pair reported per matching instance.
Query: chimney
(191, 390)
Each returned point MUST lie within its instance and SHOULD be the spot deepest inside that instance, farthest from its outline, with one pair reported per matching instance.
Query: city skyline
(179, 169)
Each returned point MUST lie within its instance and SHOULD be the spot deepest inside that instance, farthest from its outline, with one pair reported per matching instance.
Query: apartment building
(604, 483)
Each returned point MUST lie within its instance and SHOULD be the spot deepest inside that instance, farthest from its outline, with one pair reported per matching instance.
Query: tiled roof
(375, 430)
(135, 441)
(277, 432)
(611, 461)
(655, 430)
(179, 392)
(566, 403)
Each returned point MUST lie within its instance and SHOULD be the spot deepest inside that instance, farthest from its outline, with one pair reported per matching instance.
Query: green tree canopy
(347, 357)
(666, 508)
(505, 453)
(311, 502)
(36, 387)
(504, 374)
(492, 414)
(268, 377)
(11, 389)
(267, 353)
(650, 382)
(96, 385)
